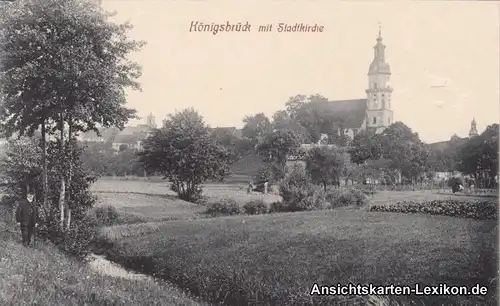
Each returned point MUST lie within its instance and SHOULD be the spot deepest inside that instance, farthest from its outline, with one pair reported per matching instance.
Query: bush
(278, 206)
(265, 174)
(299, 193)
(224, 207)
(369, 190)
(340, 197)
(8, 201)
(193, 196)
(78, 240)
(256, 207)
(106, 215)
(481, 210)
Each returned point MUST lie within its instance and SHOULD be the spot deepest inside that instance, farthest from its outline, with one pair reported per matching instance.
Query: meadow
(275, 259)
(42, 275)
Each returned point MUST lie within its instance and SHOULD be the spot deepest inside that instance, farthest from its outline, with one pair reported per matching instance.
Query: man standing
(27, 217)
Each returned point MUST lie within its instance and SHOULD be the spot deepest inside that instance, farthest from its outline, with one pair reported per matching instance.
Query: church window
(383, 103)
(375, 85)
(389, 120)
(374, 120)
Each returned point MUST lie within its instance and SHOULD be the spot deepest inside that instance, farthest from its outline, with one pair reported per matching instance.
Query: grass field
(275, 259)
(154, 201)
(45, 276)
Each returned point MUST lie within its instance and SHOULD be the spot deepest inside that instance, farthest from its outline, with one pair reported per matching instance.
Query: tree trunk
(62, 189)
(68, 219)
(324, 186)
(70, 176)
(44, 171)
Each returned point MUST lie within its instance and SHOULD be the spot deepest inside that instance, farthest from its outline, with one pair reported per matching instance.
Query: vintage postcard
(158, 152)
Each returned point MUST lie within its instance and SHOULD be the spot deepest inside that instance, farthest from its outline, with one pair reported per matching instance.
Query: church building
(373, 112)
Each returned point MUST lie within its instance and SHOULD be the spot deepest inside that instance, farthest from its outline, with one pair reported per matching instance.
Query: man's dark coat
(27, 215)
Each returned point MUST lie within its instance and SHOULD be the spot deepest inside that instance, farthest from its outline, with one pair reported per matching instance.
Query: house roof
(352, 111)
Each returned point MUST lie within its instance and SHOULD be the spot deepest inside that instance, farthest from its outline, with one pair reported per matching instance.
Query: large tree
(256, 127)
(326, 165)
(479, 155)
(313, 120)
(407, 153)
(185, 152)
(365, 146)
(283, 121)
(64, 69)
(276, 148)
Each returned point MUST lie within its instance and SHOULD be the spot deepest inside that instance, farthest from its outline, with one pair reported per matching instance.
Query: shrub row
(298, 200)
(481, 210)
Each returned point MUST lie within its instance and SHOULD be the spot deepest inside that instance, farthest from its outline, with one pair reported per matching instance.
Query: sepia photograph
(160, 152)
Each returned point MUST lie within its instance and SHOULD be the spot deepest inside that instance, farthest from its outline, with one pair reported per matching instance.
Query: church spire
(378, 65)
(473, 130)
(150, 121)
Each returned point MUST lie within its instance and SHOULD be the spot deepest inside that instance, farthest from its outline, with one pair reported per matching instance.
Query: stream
(103, 266)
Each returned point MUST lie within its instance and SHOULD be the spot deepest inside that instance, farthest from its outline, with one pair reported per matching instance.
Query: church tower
(473, 130)
(150, 121)
(379, 114)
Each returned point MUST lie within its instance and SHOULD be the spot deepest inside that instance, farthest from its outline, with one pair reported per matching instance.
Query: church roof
(448, 144)
(353, 112)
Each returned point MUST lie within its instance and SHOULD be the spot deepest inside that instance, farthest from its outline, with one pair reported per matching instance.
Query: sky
(444, 58)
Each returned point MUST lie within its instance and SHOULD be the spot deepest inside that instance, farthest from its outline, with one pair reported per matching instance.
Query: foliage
(20, 165)
(104, 161)
(265, 174)
(275, 149)
(106, 215)
(295, 104)
(299, 193)
(62, 59)
(237, 147)
(283, 121)
(365, 146)
(223, 207)
(311, 118)
(184, 151)
(406, 153)
(277, 207)
(63, 64)
(20, 170)
(256, 127)
(325, 165)
(255, 207)
(482, 210)
(341, 197)
(444, 161)
(480, 154)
